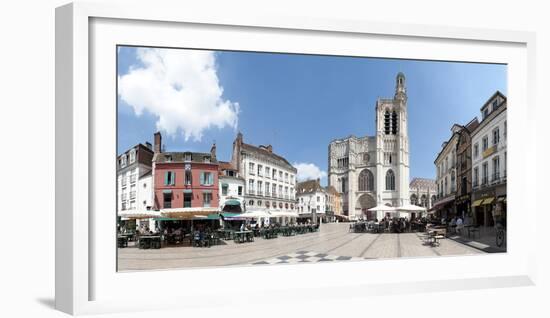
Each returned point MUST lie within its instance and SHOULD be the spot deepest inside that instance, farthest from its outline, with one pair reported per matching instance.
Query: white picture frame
(83, 31)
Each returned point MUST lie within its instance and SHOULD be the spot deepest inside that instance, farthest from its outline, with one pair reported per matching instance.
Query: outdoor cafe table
(243, 236)
(268, 233)
(471, 229)
(146, 241)
(226, 234)
(286, 230)
(256, 232)
(122, 240)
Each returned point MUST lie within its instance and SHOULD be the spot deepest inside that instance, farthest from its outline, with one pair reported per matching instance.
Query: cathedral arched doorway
(364, 203)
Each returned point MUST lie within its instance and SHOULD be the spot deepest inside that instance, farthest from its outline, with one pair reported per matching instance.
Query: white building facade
(311, 201)
(231, 189)
(134, 182)
(489, 160)
(269, 180)
(374, 170)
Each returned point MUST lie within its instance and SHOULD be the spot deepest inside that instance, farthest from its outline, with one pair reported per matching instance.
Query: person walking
(459, 225)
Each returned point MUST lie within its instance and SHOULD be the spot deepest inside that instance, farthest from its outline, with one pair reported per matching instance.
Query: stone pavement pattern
(333, 239)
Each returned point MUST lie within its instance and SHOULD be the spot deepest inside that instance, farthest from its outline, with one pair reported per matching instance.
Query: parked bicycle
(500, 234)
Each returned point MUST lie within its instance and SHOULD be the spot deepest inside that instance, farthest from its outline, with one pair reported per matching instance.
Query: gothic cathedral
(374, 170)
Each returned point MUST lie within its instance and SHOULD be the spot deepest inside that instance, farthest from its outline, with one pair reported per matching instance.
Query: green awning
(232, 202)
(216, 216)
(229, 214)
(187, 191)
(167, 219)
(166, 191)
(225, 185)
(213, 216)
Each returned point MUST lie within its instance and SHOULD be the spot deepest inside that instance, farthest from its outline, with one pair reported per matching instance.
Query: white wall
(487, 131)
(28, 88)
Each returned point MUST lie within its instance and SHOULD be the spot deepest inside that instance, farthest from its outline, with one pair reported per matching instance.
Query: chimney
(239, 139)
(213, 152)
(269, 148)
(158, 142)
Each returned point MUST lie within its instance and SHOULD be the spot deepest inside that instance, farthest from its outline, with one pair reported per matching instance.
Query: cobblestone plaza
(332, 243)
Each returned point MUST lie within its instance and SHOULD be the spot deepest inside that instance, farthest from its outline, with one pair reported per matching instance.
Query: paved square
(332, 243)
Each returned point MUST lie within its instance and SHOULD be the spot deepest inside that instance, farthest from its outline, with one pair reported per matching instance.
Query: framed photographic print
(195, 149)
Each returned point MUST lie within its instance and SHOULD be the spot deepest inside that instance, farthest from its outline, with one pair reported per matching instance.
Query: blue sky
(297, 103)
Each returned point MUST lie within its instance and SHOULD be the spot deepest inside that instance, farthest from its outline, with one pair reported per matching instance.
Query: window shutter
(173, 181)
(211, 178)
(165, 177)
(202, 177)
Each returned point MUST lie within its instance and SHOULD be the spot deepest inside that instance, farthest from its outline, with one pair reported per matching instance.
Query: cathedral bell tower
(400, 89)
(400, 101)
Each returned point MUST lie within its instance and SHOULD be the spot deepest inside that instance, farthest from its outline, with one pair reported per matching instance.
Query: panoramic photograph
(233, 158)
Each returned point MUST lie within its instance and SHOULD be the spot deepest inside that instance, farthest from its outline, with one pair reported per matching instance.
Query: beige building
(334, 204)
(446, 176)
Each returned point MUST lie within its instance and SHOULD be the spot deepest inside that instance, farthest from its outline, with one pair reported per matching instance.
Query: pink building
(185, 180)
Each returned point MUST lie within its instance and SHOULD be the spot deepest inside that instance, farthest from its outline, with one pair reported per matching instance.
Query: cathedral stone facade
(374, 170)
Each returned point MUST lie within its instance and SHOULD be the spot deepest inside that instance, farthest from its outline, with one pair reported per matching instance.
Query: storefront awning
(477, 203)
(168, 219)
(216, 216)
(232, 202)
(488, 200)
(188, 213)
(442, 203)
(501, 199)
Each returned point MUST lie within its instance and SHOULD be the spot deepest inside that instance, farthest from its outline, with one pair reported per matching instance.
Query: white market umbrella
(254, 214)
(383, 208)
(411, 208)
(283, 214)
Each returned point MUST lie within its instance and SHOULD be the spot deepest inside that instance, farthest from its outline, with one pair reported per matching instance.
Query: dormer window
(187, 157)
(168, 158)
(495, 104)
(132, 156)
(123, 161)
(485, 112)
(207, 159)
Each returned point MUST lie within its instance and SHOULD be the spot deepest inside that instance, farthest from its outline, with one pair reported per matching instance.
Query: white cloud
(181, 87)
(308, 171)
